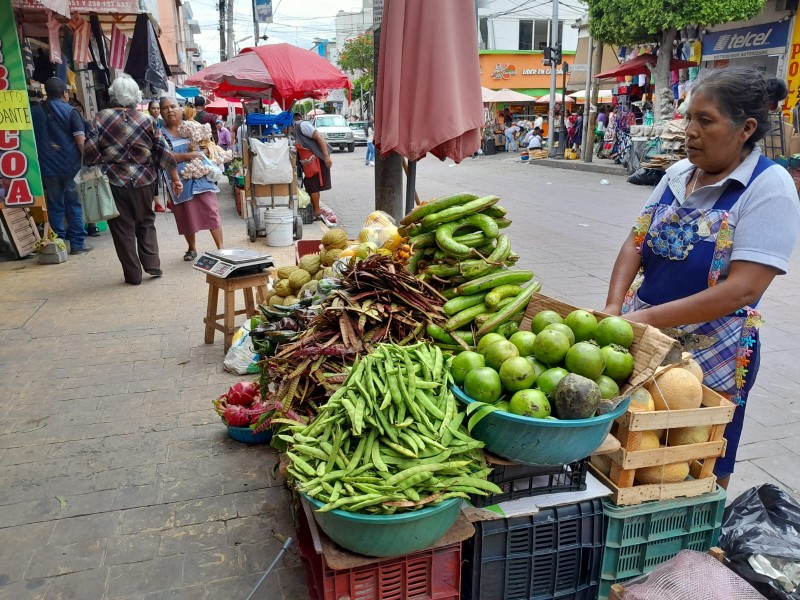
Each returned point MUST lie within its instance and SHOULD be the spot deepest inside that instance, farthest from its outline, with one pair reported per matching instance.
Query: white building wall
(503, 17)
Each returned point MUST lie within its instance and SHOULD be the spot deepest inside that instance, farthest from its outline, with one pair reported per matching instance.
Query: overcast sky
(295, 21)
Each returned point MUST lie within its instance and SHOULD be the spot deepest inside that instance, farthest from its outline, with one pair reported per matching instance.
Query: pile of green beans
(390, 439)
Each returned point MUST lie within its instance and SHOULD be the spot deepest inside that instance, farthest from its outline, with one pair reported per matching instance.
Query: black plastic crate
(523, 481)
(555, 553)
(307, 214)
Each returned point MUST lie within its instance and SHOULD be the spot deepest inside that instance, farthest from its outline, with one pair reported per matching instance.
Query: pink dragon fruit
(243, 393)
(236, 416)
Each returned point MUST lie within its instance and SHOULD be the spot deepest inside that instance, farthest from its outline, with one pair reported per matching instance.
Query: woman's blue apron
(190, 186)
(683, 252)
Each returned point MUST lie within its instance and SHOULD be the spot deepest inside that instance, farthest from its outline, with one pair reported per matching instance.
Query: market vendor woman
(713, 235)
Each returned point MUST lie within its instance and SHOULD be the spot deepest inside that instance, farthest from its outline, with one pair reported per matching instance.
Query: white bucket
(279, 225)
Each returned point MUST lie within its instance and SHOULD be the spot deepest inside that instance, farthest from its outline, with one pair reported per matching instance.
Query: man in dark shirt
(60, 134)
(205, 117)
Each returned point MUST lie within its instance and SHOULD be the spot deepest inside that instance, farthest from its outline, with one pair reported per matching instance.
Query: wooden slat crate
(715, 411)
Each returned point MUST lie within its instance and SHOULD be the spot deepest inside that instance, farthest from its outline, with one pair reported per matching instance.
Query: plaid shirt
(130, 145)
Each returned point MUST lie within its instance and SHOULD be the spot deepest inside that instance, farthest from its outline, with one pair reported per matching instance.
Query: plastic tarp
(146, 62)
(761, 538)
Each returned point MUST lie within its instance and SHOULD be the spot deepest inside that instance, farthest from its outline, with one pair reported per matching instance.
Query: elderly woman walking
(129, 146)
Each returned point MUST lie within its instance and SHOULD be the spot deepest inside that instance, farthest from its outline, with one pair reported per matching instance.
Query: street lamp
(241, 40)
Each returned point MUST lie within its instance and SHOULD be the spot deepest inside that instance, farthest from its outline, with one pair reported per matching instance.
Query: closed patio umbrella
(428, 90)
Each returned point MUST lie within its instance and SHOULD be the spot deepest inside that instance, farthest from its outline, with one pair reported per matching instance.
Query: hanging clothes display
(81, 32)
(54, 38)
(146, 62)
(27, 54)
(116, 51)
(97, 46)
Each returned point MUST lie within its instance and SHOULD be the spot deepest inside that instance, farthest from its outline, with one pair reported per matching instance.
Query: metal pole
(562, 135)
(255, 25)
(222, 56)
(551, 112)
(411, 185)
(588, 129)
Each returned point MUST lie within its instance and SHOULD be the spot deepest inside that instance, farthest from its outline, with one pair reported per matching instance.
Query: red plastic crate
(433, 574)
(303, 247)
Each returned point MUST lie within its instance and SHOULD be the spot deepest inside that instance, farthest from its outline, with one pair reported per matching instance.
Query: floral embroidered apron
(683, 251)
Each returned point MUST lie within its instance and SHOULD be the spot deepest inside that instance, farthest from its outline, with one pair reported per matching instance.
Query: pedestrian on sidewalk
(224, 135)
(713, 235)
(155, 111)
(316, 173)
(60, 137)
(130, 147)
(370, 159)
(196, 208)
(511, 138)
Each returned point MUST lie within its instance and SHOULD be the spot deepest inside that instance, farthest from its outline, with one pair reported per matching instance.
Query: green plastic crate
(641, 537)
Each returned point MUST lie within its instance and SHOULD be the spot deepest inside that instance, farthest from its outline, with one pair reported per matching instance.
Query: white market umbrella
(602, 96)
(546, 99)
(505, 95)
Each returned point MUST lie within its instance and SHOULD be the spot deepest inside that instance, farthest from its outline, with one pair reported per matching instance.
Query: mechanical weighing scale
(233, 262)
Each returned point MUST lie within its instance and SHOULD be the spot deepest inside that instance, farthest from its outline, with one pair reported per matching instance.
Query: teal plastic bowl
(245, 435)
(387, 535)
(541, 442)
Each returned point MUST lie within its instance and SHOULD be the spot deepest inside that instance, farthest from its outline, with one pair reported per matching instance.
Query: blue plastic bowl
(387, 535)
(541, 442)
(246, 436)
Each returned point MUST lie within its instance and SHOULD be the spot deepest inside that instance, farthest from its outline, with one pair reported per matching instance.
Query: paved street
(118, 480)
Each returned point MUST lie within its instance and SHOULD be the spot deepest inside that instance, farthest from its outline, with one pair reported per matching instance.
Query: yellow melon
(649, 440)
(691, 365)
(676, 389)
(641, 400)
(674, 473)
(683, 436)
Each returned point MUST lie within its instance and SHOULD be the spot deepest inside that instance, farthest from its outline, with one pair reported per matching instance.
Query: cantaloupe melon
(682, 436)
(691, 365)
(673, 473)
(649, 440)
(641, 400)
(676, 389)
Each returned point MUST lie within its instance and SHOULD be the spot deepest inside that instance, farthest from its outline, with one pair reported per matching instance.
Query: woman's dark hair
(743, 94)
(152, 102)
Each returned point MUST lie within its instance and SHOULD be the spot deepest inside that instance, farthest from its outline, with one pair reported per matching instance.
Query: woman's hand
(328, 161)
(177, 186)
(613, 309)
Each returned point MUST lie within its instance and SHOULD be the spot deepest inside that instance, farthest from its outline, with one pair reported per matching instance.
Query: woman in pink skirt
(196, 209)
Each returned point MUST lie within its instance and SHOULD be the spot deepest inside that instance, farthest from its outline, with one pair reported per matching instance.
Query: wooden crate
(715, 411)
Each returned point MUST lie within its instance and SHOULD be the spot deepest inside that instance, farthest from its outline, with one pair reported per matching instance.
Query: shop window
(484, 29)
(540, 37)
(525, 35)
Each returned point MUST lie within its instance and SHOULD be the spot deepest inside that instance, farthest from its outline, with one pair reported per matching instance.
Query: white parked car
(336, 132)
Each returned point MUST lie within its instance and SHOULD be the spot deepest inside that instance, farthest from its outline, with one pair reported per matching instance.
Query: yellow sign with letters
(15, 114)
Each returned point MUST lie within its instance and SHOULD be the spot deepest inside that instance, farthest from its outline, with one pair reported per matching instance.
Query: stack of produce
(292, 281)
(241, 405)
(376, 301)
(457, 246)
(563, 368)
(390, 439)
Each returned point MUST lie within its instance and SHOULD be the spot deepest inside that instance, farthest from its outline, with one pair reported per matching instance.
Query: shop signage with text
(516, 70)
(758, 40)
(20, 180)
(793, 70)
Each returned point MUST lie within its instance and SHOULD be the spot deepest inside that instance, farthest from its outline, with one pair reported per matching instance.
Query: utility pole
(551, 112)
(231, 50)
(222, 45)
(588, 128)
(256, 32)
(596, 67)
(388, 169)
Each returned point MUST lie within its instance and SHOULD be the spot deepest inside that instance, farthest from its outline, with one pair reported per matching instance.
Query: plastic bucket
(279, 225)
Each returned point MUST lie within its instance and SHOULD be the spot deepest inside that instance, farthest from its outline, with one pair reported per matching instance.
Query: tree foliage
(362, 84)
(626, 22)
(358, 54)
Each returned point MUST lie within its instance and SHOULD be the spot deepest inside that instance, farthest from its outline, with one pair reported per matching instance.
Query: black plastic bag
(644, 176)
(763, 522)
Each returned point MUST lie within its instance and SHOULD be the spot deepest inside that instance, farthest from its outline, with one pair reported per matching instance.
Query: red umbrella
(282, 71)
(641, 66)
(428, 96)
(220, 106)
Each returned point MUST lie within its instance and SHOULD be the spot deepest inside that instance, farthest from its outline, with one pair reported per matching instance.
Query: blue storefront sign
(757, 40)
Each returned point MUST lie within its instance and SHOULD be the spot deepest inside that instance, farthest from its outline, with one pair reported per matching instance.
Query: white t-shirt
(765, 219)
(539, 122)
(534, 142)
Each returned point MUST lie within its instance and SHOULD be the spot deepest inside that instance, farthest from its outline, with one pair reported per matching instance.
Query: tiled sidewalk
(118, 480)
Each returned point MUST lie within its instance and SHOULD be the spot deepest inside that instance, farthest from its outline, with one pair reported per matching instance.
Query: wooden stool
(247, 284)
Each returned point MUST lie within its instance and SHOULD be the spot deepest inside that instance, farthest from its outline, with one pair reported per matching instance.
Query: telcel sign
(758, 40)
